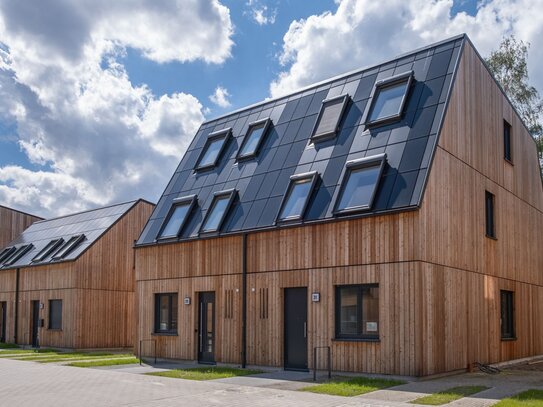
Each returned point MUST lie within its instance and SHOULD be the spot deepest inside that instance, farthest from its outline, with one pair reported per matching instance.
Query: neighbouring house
(68, 282)
(12, 223)
(391, 215)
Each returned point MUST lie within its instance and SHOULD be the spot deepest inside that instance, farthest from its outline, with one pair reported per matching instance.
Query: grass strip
(26, 352)
(8, 346)
(528, 398)
(206, 373)
(446, 396)
(110, 362)
(349, 387)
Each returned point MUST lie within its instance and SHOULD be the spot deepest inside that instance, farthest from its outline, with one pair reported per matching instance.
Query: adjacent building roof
(82, 229)
(389, 113)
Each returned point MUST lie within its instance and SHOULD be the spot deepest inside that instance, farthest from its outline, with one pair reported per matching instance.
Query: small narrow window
(6, 253)
(357, 312)
(388, 99)
(489, 215)
(297, 197)
(177, 217)
(507, 321)
(329, 118)
(55, 314)
(213, 148)
(68, 247)
(222, 201)
(507, 151)
(166, 313)
(254, 139)
(47, 250)
(359, 184)
(17, 254)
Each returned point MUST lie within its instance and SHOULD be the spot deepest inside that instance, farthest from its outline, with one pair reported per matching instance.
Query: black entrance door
(296, 328)
(35, 322)
(206, 328)
(3, 317)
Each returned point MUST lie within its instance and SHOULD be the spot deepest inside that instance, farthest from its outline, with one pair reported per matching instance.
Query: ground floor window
(507, 310)
(166, 313)
(55, 314)
(357, 311)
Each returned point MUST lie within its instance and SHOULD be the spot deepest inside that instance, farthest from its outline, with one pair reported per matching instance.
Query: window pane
(489, 213)
(212, 152)
(215, 215)
(173, 321)
(348, 311)
(55, 314)
(507, 315)
(295, 203)
(359, 187)
(252, 141)
(388, 102)
(176, 220)
(370, 311)
(329, 117)
(164, 313)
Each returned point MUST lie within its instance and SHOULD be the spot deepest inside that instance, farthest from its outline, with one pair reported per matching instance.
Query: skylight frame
(189, 200)
(17, 254)
(316, 138)
(407, 77)
(224, 134)
(231, 195)
(7, 253)
(313, 178)
(49, 249)
(68, 247)
(378, 160)
(267, 122)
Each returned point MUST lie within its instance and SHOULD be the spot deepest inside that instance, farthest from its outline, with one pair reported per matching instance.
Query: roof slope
(93, 224)
(287, 150)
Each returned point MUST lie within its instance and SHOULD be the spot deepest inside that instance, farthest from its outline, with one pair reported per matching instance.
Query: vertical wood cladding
(12, 223)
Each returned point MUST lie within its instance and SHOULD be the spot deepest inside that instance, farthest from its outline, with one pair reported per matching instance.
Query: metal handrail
(147, 340)
(315, 361)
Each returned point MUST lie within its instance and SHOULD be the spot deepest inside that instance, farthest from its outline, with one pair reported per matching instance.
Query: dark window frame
(266, 123)
(191, 201)
(353, 165)
(337, 314)
(316, 138)
(68, 247)
(407, 77)
(51, 247)
(313, 176)
(507, 144)
(7, 253)
(170, 330)
(507, 315)
(52, 319)
(490, 215)
(17, 254)
(231, 194)
(225, 134)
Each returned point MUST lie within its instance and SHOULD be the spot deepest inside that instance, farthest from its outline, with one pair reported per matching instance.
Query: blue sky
(98, 105)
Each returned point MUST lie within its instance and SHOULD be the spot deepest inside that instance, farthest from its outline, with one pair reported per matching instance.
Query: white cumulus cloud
(220, 97)
(260, 13)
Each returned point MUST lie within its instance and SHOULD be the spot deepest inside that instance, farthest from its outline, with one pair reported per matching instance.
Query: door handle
(305, 329)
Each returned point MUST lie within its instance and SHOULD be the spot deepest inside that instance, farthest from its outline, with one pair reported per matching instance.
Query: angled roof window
(388, 99)
(177, 217)
(359, 184)
(253, 139)
(297, 197)
(48, 250)
(222, 202)
(68, 247)
(213, 149)
(6, 253)
(329, 118)
(17, 254)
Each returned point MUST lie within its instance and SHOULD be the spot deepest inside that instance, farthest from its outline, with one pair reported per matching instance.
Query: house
(391, 216)
(12, 223)
(68, 282)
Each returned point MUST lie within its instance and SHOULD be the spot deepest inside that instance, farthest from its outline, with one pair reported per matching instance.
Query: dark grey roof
(261, 183)
(93, 224)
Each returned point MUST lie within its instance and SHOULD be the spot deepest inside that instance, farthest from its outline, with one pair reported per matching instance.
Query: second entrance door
(206, 328)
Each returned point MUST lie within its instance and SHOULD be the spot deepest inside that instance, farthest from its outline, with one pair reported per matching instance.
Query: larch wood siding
(12, 223)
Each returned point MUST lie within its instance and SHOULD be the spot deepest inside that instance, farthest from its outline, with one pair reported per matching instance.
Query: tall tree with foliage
(509, 66)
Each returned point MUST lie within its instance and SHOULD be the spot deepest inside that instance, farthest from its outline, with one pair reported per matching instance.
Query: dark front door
(296, 328)
(3, 317)
(206, 328)
(35, 322)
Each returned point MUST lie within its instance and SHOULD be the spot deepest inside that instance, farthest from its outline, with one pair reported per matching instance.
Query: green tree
(509, 66)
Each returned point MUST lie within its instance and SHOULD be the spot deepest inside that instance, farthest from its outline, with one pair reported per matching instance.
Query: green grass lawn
(349, 387)
(446, 396)
(205, 373)
(109, 362)
(8, 345)
(81, 357)
(14, 353)
(529, 398)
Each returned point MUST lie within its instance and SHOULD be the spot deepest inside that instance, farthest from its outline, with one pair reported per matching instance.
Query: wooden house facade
(12, 223)
(392, 216)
